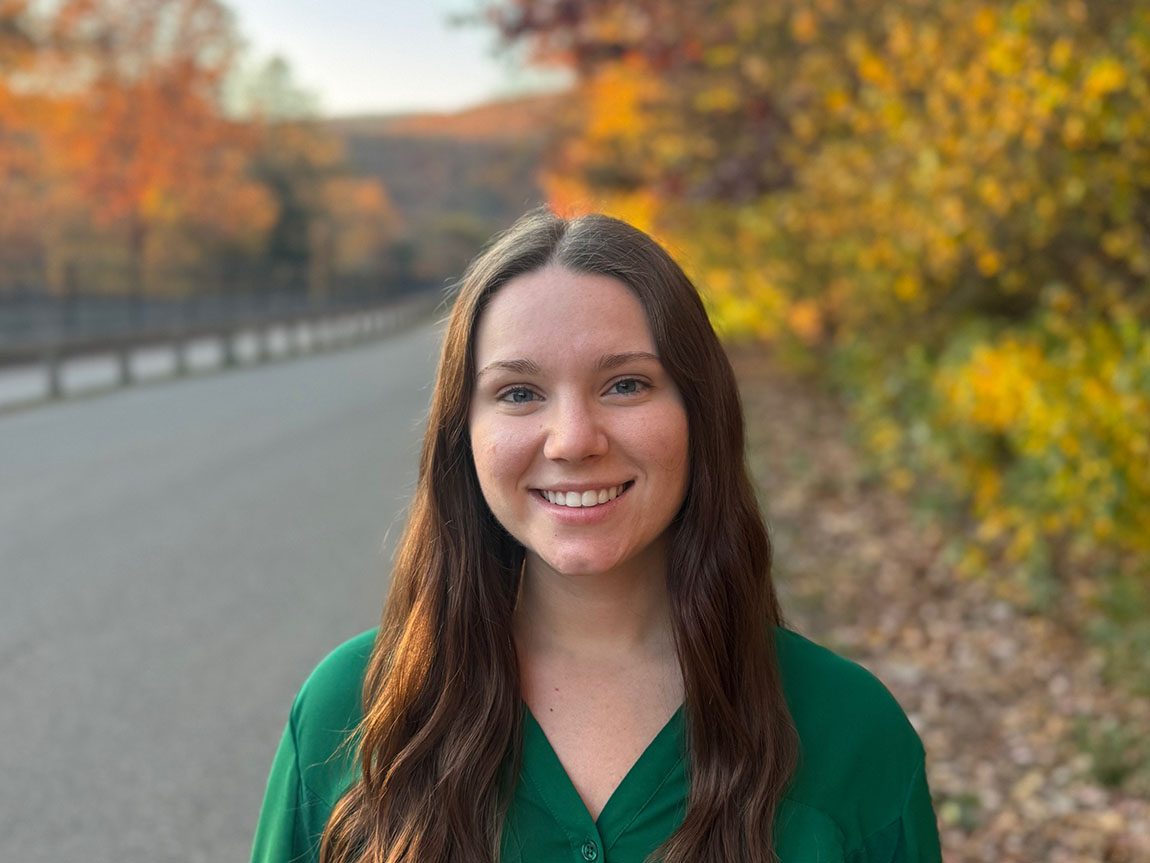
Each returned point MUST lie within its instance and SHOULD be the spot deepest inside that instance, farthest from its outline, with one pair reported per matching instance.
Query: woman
(582, 656)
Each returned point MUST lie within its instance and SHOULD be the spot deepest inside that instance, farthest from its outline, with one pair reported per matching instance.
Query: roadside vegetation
(939, 212)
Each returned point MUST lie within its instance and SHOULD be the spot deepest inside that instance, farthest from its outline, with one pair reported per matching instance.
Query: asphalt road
(174, 559)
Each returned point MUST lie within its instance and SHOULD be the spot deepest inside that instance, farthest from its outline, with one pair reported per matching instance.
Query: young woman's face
(579, 435)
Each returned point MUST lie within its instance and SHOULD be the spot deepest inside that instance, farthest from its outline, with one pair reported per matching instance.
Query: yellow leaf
(991, 192)
(804, 26)
(718, 98)
(1106, 76)
(1061, 53)
(722, 55)
(985, 21)
(803, 127)
(900, 479)
(907, 287)
(806, 320)
(872, 69)
(836, 100)
(989, 263)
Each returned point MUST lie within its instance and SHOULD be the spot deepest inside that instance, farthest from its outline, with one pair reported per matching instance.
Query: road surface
(174, 559)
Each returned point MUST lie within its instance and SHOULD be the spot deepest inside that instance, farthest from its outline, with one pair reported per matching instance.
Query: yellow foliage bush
(949, 201)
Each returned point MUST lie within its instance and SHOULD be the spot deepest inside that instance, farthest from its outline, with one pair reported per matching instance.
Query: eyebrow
(605, 363)
(613, 361)
(519, 367)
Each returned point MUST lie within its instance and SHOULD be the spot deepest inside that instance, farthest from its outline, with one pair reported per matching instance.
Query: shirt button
(590, 850)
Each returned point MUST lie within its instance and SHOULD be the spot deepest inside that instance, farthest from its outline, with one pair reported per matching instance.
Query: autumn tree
(327, 219)
(18, 159)
(269, 91)
(133, 138)
(947, 202)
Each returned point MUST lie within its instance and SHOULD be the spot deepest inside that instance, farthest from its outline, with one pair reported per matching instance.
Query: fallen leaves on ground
(1001, 699)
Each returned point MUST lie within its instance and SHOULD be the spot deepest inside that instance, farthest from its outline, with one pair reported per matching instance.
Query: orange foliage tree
(334, 222)
(127, 153)
(137, 135)
(18, 158)
(114, 141)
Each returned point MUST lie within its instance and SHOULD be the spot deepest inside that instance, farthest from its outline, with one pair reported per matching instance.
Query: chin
(577, 569)
(576, 565)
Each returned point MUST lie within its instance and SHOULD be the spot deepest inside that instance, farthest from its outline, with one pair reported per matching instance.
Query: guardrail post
(228, 330)
(52, 366)
(180, 349)
(264, 330)
(228, 348)
(135, 316)
(294, 340)
(124, 361)
(63, 321)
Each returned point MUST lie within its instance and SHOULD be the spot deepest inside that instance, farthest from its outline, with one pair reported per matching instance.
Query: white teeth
(582, 499)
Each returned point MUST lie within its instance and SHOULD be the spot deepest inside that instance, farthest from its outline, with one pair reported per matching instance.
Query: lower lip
(580, 514)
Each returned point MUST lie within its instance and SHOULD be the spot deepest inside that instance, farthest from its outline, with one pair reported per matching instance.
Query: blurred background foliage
(940, 207)
(129, 141)
(142, 148)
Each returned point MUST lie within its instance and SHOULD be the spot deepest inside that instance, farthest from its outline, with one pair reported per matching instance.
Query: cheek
(500, 455)
(666, 442)
(485, 453)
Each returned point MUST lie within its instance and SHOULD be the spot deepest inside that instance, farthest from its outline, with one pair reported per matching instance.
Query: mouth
(584, 499)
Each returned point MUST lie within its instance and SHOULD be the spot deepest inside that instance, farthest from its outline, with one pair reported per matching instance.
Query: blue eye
(628, 387)
(518, 396)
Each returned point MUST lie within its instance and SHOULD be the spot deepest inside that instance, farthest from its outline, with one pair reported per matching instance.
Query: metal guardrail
(78, 318)
(43, 330)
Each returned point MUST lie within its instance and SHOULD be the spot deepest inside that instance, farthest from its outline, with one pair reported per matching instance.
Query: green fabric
(859, 795)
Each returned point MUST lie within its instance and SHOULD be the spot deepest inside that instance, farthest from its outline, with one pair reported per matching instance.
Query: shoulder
(332, 694)
(829, 695)
(859, 755)
(326, 713)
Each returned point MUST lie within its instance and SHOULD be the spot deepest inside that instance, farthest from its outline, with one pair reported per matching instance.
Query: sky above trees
(385, 56)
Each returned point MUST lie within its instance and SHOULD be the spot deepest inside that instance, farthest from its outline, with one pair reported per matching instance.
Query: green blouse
(859, 794)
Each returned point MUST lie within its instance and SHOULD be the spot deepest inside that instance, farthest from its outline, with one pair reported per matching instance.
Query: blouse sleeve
(279, 832)
(919, 826)
(912, 837)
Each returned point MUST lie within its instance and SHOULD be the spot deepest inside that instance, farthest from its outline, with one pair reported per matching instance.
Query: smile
(576, 499)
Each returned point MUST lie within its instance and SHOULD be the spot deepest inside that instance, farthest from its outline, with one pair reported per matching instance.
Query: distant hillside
(454, 178)
(528, 116)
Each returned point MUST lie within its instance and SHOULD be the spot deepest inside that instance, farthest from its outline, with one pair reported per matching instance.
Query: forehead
(555, 311)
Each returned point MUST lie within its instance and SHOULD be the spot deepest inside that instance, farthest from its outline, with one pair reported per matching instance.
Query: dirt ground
(1001, 699)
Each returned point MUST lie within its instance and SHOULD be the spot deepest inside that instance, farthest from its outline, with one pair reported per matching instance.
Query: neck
(595, 617)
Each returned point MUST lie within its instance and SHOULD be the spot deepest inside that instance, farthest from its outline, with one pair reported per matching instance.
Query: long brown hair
(439, 742)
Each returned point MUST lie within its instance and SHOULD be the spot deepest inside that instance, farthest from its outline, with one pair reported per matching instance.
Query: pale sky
(383, 56)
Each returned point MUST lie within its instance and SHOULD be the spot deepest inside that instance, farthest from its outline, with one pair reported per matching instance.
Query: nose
(574, 431)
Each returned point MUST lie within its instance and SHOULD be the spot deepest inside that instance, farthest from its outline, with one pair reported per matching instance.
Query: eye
(628, 387)
(518, 395)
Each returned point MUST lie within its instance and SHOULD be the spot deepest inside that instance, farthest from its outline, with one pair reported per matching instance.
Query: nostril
(575, 441)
